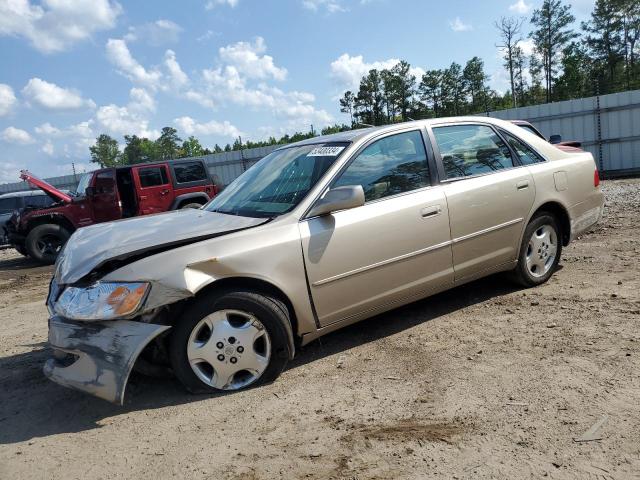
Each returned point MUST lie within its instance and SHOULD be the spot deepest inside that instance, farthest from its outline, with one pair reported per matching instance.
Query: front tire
(231, 341)
(44, 242)
(540, 251)
(191, 205)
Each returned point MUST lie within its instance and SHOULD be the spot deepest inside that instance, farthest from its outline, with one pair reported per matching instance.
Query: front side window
(152, 176)
(278, 182)
(471, 150)
(526, 154)
(391, 165)
(189, 172)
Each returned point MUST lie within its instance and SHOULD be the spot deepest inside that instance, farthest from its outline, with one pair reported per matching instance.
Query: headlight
(102, 301)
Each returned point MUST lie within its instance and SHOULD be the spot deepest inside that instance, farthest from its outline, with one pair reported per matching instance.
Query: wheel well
(200, 200)
(55, 220)
(560, 213)
(256, 285)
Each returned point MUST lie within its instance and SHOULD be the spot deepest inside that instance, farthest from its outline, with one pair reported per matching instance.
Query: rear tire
(218, 336)
(540, 251)
(44, 242)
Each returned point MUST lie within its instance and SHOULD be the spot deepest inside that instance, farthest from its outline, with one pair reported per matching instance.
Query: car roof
(26, 193)
(351, 136)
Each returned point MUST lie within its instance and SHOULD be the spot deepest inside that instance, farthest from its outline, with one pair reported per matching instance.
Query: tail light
(596, 177)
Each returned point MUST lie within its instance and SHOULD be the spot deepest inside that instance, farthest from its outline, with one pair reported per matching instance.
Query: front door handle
(431, 211)
(522, 185)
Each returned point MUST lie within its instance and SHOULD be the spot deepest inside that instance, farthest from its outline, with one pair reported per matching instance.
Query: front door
(105, 202)
(394, 248)
(489, 197)
(155, 193)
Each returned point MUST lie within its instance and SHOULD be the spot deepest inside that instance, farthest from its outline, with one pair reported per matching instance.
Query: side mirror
(90, 191)
(339, 198)
(555, 139)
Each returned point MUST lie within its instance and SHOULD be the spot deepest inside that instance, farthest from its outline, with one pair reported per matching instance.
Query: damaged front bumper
(97, 357)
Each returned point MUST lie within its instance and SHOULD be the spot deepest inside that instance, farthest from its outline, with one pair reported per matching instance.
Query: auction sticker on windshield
(325, 152)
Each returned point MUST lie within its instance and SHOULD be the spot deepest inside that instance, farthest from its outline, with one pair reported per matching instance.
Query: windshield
(278, 182)
(83, 184)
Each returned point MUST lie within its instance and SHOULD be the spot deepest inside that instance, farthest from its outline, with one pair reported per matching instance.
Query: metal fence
(608, 126)
(223, 167)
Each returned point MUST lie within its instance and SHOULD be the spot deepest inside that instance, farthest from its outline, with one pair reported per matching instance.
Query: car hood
(53, 192)
(106, 246)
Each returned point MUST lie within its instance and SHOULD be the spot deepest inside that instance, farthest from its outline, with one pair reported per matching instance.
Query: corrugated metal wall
(223, 167)
(608, 126)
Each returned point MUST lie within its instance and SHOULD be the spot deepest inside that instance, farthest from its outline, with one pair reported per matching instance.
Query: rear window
(152, 176)
(8, 205)
(189, 172)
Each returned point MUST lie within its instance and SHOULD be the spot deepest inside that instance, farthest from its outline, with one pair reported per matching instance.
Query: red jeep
(105, 195)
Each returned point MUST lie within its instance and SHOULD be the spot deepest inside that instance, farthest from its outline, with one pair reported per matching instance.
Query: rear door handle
(431, 211)
(522, 185)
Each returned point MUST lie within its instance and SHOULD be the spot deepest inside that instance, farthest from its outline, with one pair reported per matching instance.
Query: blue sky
(216, 69)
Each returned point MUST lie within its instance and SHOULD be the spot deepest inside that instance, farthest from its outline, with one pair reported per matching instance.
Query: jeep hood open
(105, 247)
(47, 188)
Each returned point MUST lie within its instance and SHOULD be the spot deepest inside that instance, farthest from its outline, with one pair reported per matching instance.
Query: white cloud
(527, 46)
(347, 70)
(119, 55)
(189, 126)
(56, 25)
(160, 32)
(176, 75)
(520, 7)
(122, 121)
(48, 148)
(457, 25)
(141, 100)
(52, 97)
(16, 135)
(211, 4)
(331, 6)
(247, 58)
(48, 130)
(7, 99)
(207, 35)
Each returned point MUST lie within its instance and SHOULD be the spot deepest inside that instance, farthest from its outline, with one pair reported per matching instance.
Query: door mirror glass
(339, 198)
(555, 139)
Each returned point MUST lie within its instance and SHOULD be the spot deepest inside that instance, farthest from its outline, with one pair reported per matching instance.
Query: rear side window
(189, 172)
(526, 154)
(471, 150)
(389, 166)
(38, 201)
(8, 205)
(152, 176)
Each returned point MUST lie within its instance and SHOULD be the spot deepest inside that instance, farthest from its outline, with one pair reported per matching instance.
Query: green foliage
(106, 152)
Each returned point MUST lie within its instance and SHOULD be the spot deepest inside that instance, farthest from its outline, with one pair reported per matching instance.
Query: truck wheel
(191, 205)
(44, 242)
(231, 341)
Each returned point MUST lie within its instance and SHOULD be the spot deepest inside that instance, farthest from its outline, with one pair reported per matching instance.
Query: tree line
(600, 57)
(106, 150)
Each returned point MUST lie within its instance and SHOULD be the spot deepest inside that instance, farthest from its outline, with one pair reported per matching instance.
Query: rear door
(489, 195)
(154, 190)
(394, 248)
(105, 202)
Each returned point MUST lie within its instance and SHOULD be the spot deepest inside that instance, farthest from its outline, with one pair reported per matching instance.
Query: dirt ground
(484, 381)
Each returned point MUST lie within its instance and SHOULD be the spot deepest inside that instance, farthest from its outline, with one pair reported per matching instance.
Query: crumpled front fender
(97, 357)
